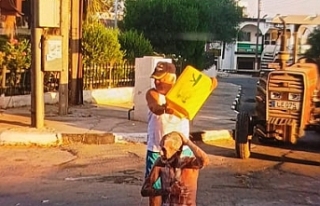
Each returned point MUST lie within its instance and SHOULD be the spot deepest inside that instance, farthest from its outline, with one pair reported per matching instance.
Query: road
(94, 175)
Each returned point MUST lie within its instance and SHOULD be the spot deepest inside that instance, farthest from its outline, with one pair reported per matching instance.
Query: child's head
(171, 146)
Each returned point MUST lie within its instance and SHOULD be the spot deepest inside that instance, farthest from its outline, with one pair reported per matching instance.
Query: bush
(313, 41)
(100, 44)
(15, 56)
(3, 41)
(18, 54)
(134, 45)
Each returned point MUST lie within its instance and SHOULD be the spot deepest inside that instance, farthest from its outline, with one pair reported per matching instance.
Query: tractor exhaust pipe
(283, 54)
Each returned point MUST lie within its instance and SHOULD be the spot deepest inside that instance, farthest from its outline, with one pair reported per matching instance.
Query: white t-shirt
(159, 125)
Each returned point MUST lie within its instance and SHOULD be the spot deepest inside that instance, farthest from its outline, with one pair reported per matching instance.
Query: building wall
(230, 59)
(228, 63)
(241, 49)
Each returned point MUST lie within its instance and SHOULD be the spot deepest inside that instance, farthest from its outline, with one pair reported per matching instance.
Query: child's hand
(178, 189)
(168, 110)
(214, 83)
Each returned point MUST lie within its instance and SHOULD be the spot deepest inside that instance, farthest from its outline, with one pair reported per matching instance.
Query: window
(244, 36)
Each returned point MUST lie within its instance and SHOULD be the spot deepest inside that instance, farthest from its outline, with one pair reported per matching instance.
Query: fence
(94, 77)
(105, 76)
(17, 82)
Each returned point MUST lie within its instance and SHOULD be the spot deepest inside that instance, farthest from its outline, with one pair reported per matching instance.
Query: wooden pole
(37, 97)
(256, 59)
(80, 67)
(75, 52)
(63, 83)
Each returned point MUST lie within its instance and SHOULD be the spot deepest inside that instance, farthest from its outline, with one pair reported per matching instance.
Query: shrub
(313, 41)
(16, 58)
(18, 54)
(134, 45)
(100, 44)
(3, 41)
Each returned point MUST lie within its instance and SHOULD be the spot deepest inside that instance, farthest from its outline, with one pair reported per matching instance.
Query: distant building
(13, 16)
(240, 56)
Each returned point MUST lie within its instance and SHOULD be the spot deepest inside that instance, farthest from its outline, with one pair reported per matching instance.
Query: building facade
(241, 55)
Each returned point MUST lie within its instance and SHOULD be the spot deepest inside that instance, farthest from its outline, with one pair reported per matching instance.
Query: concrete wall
(143, 69)
(229, 61)
(99, 96)
(109, 96)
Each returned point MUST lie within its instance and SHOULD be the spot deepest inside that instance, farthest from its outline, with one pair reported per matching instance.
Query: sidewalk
(103, 124)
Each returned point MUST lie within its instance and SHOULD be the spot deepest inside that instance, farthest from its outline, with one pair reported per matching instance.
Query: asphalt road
(248, 84)
(111, 175)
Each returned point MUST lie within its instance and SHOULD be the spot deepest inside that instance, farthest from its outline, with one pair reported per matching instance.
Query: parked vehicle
(287, 103)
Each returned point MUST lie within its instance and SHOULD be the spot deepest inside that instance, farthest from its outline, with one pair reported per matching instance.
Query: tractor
(287, 102)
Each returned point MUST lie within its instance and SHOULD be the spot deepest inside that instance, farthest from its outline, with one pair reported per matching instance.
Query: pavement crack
(70, 150)
(133, 154)
(94, 125)
(117, 125)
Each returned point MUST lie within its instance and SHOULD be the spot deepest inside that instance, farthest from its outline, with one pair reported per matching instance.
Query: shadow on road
(15, 123)
(283, 159)
(305, 153)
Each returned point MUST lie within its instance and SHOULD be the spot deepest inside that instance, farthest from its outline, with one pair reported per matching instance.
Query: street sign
(51, 47)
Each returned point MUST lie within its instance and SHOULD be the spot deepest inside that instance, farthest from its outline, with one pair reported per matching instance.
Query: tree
(182, 27)
(134, 45)
(313, 41)
(92, 7)
(100, 44)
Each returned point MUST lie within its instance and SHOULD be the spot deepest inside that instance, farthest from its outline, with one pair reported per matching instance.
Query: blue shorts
(153, 156)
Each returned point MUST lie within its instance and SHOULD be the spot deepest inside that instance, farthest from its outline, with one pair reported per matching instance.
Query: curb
(130, 137)
(213, 135)
(42, 138)
(237, 101)
(88, 138)
(56, 139)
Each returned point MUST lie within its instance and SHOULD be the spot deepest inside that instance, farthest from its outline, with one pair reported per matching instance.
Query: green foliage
(134, 45)
(94, 6)
(17, 55)
(3, 41)
(313, 41)
(100, 44)
(182, 27)
(223, 19)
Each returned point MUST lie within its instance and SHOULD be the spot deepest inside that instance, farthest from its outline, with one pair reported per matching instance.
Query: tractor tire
(242, 141)
(317, 130)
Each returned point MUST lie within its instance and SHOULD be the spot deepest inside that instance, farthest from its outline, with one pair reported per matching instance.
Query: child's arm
(201, 158)
(147, 189)
(152, 97)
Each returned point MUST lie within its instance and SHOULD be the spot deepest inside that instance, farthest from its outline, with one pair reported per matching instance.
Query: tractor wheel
(317, 130)
(242, 141)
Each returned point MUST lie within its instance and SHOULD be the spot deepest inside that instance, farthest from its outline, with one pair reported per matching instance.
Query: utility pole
(63, 80)
(116, 14)
(37, 98)
(256, 60)
(76, 68)
(80, 69)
